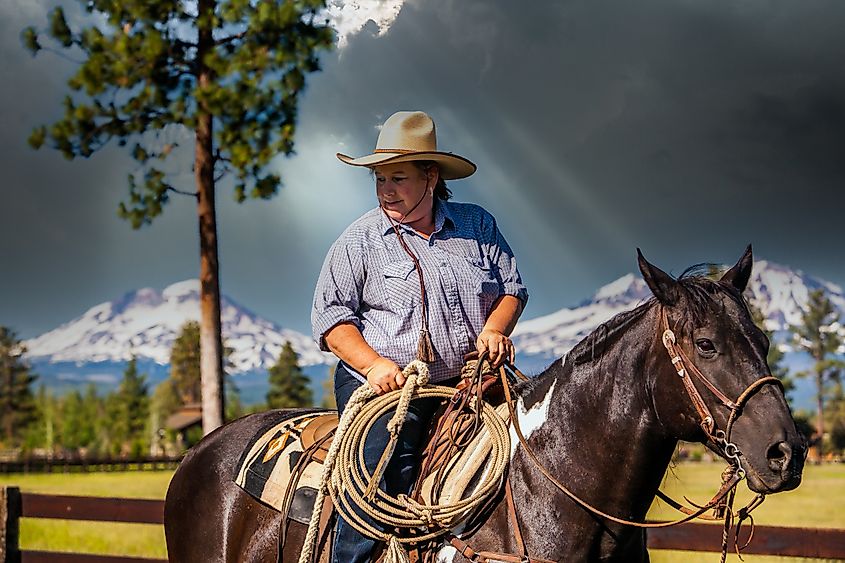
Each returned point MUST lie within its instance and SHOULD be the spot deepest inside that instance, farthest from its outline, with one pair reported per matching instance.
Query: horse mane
(700, 289)
(595, 344)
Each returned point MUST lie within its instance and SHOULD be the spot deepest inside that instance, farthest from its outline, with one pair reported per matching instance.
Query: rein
(718, 438)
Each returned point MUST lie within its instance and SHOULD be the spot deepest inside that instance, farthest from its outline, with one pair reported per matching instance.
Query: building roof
(185, 417)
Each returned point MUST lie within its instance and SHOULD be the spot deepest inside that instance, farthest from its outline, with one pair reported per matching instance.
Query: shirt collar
(442, 218)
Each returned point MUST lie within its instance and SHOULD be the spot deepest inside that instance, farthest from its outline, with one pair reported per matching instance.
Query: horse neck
(599, 429)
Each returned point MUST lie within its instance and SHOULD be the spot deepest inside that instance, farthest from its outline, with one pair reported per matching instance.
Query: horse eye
(705, 346)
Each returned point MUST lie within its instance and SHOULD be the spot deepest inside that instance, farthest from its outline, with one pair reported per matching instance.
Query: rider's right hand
(384, 375)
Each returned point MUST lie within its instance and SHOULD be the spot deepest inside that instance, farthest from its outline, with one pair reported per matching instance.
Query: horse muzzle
(779, 467)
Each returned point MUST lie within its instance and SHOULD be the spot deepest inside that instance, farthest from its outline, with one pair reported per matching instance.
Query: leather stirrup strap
(517, 531)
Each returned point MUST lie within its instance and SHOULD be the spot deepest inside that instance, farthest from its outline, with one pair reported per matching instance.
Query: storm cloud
(688, 129)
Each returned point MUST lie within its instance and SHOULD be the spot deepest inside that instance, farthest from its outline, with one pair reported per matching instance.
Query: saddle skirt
(283, 464)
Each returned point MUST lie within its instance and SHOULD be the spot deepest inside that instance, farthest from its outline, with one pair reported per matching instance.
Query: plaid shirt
(368, 279)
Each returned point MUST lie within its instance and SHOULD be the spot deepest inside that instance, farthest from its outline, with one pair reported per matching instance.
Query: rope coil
(352, 488)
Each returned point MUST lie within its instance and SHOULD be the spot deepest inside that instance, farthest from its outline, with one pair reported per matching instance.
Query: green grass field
(140, 540)
(817, 503)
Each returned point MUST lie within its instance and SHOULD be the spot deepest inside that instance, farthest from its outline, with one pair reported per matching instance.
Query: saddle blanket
(283, 464)
(272, 468)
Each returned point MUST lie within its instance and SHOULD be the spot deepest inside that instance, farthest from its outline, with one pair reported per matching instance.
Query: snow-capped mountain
(555, 334)
(145, 322)
(779, 292)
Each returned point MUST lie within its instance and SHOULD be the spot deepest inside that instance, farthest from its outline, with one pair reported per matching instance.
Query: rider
(417, 277)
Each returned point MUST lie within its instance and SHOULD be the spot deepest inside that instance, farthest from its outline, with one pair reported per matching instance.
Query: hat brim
(452, 166)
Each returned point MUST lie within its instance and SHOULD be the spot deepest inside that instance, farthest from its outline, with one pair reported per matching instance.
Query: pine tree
(329, 400)
(94, 409)
(134, 406)
(775, 356)
(817, 336)
(835, 413)
(185, 364)
(112, 435)
(185, 379)
(17, 404)
(165, 399)
(234, 405)
(289, 387)
(228, 71)
(77, 428)
(40, 434)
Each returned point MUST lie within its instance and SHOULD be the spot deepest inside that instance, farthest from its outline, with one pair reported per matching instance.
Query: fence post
(10, 514)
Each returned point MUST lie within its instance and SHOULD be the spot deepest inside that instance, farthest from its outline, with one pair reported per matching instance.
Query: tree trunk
(6, 396)
(820, 407)
(211, 344)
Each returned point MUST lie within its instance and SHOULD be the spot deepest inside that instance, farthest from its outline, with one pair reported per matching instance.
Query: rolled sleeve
(337, 298)
(510, 280)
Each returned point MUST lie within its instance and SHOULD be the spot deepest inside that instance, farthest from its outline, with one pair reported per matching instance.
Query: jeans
(350, 546)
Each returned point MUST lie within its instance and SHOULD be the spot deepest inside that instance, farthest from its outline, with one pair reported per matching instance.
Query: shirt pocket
(485, 282)
(402, 285)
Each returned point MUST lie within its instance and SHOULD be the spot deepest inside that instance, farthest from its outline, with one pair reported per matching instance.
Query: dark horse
(604, 421)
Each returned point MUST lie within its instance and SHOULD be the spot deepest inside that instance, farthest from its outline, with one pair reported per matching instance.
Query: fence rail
(15, 505)
(811, 543)
(83, 465)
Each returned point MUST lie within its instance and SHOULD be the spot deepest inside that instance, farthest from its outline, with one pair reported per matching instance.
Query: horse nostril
(779, 456)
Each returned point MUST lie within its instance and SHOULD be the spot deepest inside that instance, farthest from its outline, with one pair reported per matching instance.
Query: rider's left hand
(498, 346)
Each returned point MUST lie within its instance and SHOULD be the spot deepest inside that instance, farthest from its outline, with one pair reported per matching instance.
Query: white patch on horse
(532, 419)
(446, 554)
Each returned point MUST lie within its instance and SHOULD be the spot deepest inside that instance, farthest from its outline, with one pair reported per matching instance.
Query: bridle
(722, 501)
(686, 370)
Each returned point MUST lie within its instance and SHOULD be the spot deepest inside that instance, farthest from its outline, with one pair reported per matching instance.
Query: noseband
(719, 439)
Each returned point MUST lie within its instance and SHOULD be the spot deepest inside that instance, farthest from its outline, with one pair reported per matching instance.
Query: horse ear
(662, 285)
(739, 275)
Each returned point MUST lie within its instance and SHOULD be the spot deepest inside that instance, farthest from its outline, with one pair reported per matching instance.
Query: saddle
(283, 464)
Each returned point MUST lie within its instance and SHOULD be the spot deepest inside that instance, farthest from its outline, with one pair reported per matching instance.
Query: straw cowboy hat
(408, 136)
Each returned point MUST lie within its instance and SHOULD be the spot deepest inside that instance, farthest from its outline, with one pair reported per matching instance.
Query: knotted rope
(346, 479)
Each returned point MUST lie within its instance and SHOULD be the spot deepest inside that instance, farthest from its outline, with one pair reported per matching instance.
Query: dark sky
(686, 128)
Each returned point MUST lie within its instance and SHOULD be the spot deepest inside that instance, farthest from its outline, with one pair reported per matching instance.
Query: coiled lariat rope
(355, 491)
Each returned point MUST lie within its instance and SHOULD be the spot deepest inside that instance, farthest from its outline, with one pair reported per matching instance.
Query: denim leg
(350, 546)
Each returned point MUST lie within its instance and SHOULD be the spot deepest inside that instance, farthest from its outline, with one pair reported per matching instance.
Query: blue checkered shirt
(367, 279)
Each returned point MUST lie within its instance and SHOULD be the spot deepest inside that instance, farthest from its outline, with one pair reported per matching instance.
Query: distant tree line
(130, 421)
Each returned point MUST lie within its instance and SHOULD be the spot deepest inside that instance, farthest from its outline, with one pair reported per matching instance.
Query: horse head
(720, 351)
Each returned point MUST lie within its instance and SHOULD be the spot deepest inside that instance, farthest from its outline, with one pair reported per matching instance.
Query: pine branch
(62, 55)
(180, 192)
(229, 39)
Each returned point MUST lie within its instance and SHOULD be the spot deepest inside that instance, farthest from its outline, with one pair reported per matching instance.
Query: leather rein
(719, 439)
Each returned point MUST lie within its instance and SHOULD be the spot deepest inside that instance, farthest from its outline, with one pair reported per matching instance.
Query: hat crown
(407, 131)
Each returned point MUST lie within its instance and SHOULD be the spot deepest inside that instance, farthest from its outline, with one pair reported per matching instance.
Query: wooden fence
(76, 464)
(15, 505)
(768, 540)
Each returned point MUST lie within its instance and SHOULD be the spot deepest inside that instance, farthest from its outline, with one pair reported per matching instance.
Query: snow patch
(616, 288)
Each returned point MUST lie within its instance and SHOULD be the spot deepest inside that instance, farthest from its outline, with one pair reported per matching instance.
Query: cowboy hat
(407, 136)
